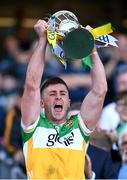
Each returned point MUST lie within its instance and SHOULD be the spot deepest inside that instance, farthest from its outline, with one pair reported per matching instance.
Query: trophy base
(78, 44)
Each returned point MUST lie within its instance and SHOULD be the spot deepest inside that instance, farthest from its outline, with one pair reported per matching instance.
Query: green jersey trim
(66, 128)
(82, 125)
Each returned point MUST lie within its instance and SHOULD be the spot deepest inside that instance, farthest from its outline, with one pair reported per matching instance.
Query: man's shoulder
(99, 153)
(97, 149)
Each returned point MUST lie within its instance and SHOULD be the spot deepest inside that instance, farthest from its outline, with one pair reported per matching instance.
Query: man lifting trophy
(54, 144)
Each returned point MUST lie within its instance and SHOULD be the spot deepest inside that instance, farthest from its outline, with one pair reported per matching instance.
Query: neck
(56, 121)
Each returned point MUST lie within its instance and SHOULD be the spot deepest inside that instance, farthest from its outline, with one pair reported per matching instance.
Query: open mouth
(58, 108)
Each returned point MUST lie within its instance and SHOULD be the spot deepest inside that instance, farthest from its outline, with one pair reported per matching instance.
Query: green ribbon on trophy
(71, 41)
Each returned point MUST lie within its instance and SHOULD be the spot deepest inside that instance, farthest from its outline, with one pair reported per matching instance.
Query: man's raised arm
(30, 105)
(93, 102)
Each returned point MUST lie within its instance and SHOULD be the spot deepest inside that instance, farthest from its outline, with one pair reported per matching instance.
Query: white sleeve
(31, 127)
(83, 126)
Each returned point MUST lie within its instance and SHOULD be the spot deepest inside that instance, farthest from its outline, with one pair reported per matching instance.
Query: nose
(58, 96)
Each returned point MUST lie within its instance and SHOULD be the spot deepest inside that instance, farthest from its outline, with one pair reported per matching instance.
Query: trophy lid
(65, 20)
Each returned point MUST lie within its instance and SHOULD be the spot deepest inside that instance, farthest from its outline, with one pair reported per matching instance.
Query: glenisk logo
(53, 138)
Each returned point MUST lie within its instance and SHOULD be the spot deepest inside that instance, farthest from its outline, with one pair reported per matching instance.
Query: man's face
(55, 101)
(122, 82)
(123, 148)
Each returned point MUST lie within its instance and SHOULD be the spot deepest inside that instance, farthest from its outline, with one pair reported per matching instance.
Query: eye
(52, 94)
(63, 94)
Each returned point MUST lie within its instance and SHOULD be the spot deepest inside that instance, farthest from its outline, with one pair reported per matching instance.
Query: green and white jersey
(55, 151)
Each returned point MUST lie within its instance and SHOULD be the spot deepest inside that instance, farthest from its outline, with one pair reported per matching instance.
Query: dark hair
(51, 81)
(120, 96)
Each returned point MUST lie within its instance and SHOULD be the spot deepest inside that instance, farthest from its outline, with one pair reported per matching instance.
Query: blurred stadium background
(88, 11)
(17, 40)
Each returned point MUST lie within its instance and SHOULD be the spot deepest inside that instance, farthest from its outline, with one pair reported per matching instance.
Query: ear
(69, 104)
(42, 103)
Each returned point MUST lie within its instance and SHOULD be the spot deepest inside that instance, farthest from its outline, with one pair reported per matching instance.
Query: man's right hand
(40, 27)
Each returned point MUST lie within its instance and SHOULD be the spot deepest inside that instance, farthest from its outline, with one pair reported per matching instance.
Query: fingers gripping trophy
(70, 40)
